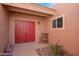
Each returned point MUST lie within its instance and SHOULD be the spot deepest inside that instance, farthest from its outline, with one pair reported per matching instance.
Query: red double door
(24, 31)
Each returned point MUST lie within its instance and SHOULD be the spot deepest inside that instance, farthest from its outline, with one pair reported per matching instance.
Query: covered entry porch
(27, 13)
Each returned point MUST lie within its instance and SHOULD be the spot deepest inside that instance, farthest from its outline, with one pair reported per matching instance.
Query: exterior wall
(69, 36)
(26, 17)
(3, 28)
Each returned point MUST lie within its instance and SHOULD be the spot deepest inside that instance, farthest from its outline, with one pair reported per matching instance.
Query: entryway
(24, 31)
(27, 49)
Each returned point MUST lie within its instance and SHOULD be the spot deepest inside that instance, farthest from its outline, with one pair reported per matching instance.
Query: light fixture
(39, 22)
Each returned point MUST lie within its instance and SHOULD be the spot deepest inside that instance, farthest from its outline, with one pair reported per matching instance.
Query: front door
(24, 31)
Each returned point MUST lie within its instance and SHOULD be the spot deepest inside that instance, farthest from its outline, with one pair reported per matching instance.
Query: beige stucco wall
(69, 36)
(3, 28)
(26, 17)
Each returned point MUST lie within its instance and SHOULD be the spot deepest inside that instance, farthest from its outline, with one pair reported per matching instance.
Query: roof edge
(42, 6)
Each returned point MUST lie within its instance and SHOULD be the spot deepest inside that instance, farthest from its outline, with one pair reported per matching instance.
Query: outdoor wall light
(39, 22)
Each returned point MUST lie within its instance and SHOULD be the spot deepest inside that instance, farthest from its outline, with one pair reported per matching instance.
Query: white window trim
(56, 23)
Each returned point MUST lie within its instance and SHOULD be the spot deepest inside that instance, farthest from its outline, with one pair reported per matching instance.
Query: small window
(57, 23)
(54, 23)
(60, 22)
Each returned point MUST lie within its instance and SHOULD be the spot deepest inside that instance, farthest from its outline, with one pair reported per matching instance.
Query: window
(54, 23)
(57, 22)
(60, 22)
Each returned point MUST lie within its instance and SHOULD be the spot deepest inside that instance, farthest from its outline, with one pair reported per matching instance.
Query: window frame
(55, 18)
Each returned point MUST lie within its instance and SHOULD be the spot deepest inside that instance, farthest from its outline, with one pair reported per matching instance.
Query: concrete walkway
(27, 49)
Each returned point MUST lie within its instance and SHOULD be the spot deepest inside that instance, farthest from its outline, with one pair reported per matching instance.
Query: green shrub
(56, 50)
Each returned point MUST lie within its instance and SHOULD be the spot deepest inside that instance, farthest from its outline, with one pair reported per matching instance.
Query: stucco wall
(27, 17)
(69, 36)
(3, 28)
